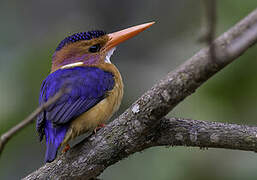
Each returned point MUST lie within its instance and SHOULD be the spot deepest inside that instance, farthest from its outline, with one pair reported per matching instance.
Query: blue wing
(88, 86)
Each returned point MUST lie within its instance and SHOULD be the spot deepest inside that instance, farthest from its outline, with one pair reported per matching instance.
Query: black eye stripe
(94, 48)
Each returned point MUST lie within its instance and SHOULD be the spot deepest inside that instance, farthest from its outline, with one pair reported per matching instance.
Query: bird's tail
(51, 152)
(54, 138)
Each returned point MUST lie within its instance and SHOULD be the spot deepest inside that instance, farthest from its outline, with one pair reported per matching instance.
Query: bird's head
(91, 48)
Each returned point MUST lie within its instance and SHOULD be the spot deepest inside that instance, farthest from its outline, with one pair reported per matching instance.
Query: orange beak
(123, 35)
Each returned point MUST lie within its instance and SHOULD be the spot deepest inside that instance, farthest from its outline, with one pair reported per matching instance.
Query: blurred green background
(30, 31)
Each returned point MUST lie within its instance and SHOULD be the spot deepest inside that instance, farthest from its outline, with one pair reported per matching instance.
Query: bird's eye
(95, 48)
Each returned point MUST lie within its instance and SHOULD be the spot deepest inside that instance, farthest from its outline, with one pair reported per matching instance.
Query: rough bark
(142, 125)
(203, 134)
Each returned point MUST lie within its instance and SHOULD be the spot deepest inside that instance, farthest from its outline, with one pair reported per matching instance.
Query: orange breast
(101, 112)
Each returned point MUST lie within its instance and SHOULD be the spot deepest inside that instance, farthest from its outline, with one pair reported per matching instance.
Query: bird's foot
(66, 148)
(99, 127)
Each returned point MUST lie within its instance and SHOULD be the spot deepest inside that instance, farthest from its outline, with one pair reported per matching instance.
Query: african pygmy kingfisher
(81, 62)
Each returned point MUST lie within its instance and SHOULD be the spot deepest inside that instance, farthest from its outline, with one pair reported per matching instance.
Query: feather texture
(88, 86)
(80, 36)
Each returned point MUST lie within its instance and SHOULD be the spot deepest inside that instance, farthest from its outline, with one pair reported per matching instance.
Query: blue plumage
(88, 86)
(80, 36)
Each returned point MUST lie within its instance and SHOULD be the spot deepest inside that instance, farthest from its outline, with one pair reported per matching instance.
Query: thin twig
(10, 133)
(210, 18)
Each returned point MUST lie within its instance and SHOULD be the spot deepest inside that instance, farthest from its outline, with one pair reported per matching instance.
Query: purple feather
(89, 85)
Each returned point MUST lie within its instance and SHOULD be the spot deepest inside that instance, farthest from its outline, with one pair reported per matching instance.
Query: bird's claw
(99, 127)
(66, 148)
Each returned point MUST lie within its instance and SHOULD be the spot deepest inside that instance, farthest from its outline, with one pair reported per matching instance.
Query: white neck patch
(108, 55)
(72, 65)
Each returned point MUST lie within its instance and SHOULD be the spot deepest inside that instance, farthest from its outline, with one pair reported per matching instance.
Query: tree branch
(10, 133)
(203, 134)
(128, 133)
(110, 148)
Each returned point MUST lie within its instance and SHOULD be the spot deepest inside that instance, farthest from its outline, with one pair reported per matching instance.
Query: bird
(81, 63)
